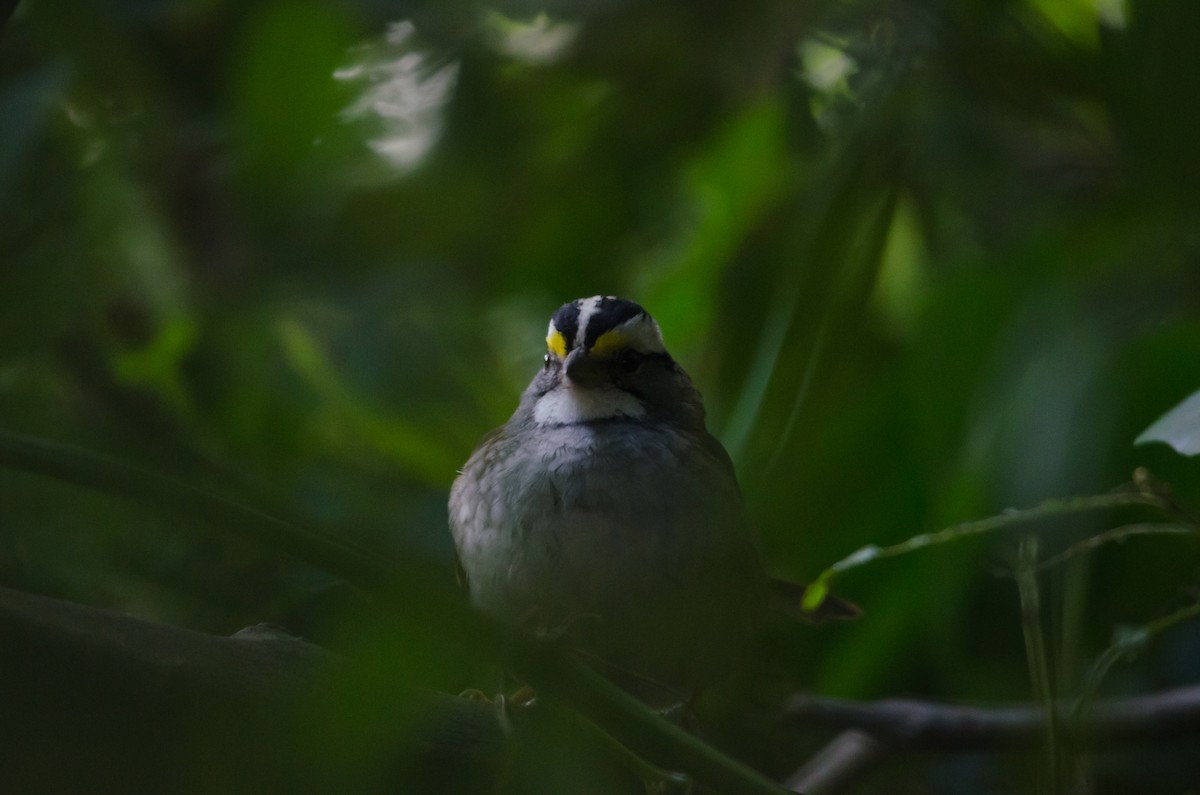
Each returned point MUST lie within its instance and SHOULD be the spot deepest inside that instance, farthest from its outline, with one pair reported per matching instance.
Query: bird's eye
(629, 360)
(548, 359)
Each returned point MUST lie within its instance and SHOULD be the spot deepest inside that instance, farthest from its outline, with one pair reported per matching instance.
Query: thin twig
(1127, 643)
(1117, 535)
(845, 760)
(1145, 492)
(1035, 653)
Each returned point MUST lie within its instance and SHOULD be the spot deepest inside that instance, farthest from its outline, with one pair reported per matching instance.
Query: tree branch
(98, 701)
(1142, 720)
(839, 765)
(398, 585)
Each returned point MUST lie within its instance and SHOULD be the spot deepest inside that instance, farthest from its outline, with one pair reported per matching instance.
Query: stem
(1127, 643)
(1035, 652)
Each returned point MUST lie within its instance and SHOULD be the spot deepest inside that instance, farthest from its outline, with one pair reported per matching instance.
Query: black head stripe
(566, 320)
(611, 313)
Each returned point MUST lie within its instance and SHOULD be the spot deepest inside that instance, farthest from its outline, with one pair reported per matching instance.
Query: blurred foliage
(926, 261)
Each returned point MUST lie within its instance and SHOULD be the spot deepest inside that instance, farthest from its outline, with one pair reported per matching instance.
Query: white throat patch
(567, 405)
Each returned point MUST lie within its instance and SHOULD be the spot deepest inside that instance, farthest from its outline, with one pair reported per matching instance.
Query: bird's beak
(583, 370)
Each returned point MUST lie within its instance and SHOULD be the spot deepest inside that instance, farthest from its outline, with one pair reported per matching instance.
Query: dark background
(926, 261)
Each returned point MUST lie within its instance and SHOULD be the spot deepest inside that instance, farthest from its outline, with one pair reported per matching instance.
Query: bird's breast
(581, 514)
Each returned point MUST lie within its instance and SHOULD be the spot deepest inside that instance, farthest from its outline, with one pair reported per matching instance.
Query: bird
(605, 512)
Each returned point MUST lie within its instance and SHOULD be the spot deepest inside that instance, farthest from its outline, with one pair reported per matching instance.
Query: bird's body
(603, 509)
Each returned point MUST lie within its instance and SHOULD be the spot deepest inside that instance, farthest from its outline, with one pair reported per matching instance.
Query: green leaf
(1179, 427)
(418, 451)
(815, 594)
(26, 104)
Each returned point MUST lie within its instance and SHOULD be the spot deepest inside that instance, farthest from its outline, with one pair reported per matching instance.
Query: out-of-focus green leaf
(900, 289)
(725, 190)
(1078, 20)
(283, 87)
(158, 364)
(415, 450)
(26, 104)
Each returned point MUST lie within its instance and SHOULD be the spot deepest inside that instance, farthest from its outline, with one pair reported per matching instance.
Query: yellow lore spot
(557, 344)
(609, 342)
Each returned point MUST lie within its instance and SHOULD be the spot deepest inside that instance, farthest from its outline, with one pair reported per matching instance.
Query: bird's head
(605, 361)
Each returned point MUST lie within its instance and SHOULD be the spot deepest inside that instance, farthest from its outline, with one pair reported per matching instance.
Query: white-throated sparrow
(604, 510)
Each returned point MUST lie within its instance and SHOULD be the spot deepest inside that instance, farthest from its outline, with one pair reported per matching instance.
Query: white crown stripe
(641, 331)
(587, 309)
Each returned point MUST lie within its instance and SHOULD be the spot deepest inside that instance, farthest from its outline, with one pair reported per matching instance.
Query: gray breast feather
(642, 532)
